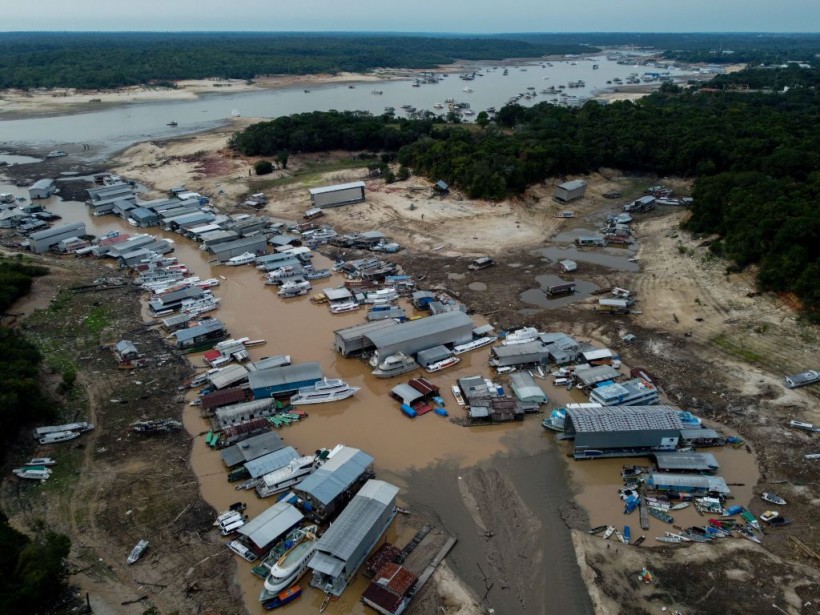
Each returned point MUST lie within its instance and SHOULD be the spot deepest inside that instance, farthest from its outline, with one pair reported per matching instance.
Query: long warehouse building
(415, 335)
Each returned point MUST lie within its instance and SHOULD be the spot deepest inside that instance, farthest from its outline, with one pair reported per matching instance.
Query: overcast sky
(477, 16)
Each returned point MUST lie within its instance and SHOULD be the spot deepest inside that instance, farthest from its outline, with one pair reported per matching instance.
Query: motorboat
(344, 306)
(457, 394)
(242, 551)
(294, 288)
(772, 498)
(443, 364)
(242, 259)
(476, 343)
(318, 274)
(283, 478)
(137, 551)
(394, 365)
(608, 532)
(235, 113)
(172, 124)
(40, 473)
(283, 598)
(325, 390)
(41, 461)
(200, 305)
(290, 567)
(520, 336)
(381, 296)
(56, 153)
(59, 436)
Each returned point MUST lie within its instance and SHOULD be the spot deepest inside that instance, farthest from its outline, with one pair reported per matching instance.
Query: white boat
(520, 336)
(33, 473)
(294, 288)
(457, 394)
(283, 478)
(59, 436)
(200, 305)
(344, 306)
(556, 420)
(290, 567)
(609, 531)
(242, 551)
(137, 551)
(772, 498)
(235, 113)
(326, 390)
(670, 539)
(242, 259)
(41, 461)
(56, 153)
(476, 343)
(228, 517)
(381, 296)
(394, 365)
(680, 506)
(443, 364)
(209, 283)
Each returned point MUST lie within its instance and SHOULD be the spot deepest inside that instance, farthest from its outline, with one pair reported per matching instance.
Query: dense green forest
(755, 155)
(32, 571)
(99, 60)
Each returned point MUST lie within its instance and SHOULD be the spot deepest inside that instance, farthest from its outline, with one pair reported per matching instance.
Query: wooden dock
(642, 511)
(431, 567)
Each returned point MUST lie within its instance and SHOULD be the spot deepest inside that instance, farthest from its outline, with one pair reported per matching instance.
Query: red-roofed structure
(391, 590)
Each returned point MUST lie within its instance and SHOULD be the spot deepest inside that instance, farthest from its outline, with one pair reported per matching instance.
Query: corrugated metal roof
(357, 331)
(271, 524)
(698, 432)
(336, 475)
(286, 375)
(689, 481)
(336, 294)
(237, 245)
(623, 418)
(336, 188)
(223, 398)
(418, 328)
(228, 375)
(431, 355)
(227, 412)
(406, 393)
(686, 461)
(207, 326)
(272, 461)
(573, 185)
(252, 448)
(525, 388)
(595, 354)
(594, 375)
(347, 532)
(515, 350)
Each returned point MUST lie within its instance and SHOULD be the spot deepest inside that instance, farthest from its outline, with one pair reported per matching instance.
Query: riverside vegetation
(754, 156)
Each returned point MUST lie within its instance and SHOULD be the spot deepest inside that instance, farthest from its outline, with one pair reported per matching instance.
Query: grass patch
(737, 349)
(96, 321)
(309, 175)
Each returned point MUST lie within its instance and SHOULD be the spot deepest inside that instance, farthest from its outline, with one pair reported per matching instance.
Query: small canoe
(609, 531)
(680, 506)
(627, 535)
(639, 541)
(597, 530)
(137, 551)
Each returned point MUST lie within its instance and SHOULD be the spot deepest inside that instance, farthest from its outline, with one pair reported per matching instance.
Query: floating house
(623, 431)
(526, 389)
(222, 252)
(43, 241)
(284, 380)
(228, 376)
(172, 301)
(271, 462)
(325, 492)
(412, 336)
(42, 189)
(687, 462)
(637, 392)
(353, 340)
(250, 449)
(344, 546)
(243, 412)
(200, 337)
(260, 533)
(593, 376)
(688, 483)
(218, 399)
(529, 353)
(570, 191)
(337, 195)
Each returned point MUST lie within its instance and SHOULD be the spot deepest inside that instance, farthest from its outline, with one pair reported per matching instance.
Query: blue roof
(336, 475)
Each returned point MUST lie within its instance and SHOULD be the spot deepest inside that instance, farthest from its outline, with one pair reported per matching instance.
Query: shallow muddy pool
(537, 296)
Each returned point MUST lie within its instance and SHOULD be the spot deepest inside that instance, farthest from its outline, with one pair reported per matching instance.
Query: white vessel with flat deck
(290, 567)
(326, 390)
(393, 365)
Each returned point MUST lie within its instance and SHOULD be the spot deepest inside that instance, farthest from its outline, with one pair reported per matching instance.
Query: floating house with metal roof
(353, 340)
(526, 389)
(201, 336)
(530, 353)
(343, 548)
(687, 462)
(250, 449)
(42, 241)
(271, 462)
(325, 492)
(284, 380)
(594, 376)
(415, 335)
(688, 483)
(257, 244)
(260, 533)
(623, 431)
(244, 412)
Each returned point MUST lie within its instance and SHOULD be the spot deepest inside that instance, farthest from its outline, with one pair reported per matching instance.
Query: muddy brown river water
(425, 456)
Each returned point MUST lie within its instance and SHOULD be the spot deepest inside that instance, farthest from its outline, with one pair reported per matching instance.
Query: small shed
(431, 355)
(42, 189)
(261, 532)
(338, 195)
(441, 187)
(143, 217)
(570, 191)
